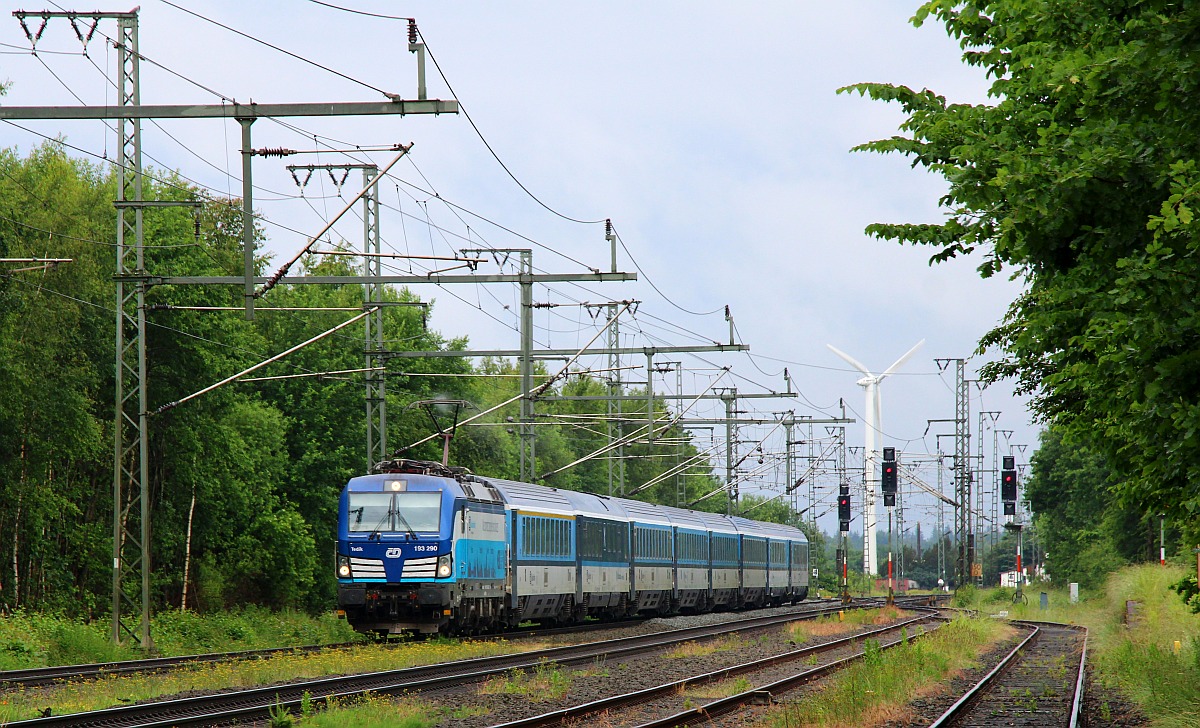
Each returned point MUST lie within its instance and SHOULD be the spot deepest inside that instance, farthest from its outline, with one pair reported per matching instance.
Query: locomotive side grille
(367, 568)
(425, 568)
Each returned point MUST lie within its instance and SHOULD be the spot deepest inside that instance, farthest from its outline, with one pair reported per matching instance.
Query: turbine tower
(873, 420)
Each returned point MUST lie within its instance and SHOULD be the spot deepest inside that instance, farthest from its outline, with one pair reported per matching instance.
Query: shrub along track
(255, 704)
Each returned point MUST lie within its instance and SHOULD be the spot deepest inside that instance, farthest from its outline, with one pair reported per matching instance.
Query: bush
(965, 596)
(1002, 594)
(38, 640)
(1189, 590)
(248, 628)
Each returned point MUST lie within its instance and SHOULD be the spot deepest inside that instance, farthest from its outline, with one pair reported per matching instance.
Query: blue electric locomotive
(423, 547)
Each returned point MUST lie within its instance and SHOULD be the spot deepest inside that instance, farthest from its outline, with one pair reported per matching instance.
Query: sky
(711, 134)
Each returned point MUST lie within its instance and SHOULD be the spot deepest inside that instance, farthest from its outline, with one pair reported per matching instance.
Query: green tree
(1085, 532)
(54, 326)
(1080, 178)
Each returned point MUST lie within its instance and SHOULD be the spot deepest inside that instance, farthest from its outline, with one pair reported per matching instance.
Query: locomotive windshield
(397, 512)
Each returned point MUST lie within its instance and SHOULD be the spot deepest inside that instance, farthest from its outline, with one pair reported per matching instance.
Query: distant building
(899, 586)
(1009, 578)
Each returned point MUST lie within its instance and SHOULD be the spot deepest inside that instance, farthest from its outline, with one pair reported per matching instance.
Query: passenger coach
(423, 547)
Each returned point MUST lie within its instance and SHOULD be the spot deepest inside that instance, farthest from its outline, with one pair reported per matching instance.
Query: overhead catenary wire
(627, 251)
(260, 365)
(225, 96)
(199, 189)
(152, 324)
(359, 12)
(692, 460)
(280, 50)
(177, 140)
(630, 437)
(492, 151)
(549, 381)
(283, 269)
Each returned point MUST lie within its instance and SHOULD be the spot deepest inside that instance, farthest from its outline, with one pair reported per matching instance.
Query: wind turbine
(873, 420)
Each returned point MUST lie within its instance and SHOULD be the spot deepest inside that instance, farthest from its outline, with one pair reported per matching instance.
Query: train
(427, 548)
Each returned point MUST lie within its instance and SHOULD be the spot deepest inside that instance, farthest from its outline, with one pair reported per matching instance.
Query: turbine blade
(849, 359)
(902, 359)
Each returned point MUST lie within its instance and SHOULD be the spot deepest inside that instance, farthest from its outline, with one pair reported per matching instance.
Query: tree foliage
(1085, 532)
(1080, 178)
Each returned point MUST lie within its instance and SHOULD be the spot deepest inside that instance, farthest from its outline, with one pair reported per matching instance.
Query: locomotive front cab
(395, 562)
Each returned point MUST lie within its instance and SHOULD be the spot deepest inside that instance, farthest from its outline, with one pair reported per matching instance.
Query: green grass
(35, 640)
(183, 633)
(369, 711)
(1137, 657)
(1140, 658)
(866, 692)
(38, 640)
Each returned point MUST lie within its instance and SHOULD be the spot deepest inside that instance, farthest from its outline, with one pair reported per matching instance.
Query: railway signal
(890, 476)
(1008, 485)
(844, 509)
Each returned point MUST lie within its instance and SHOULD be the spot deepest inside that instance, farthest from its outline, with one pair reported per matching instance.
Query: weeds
(697, 649)
(846, 622)
(547, 681)
(281, 717)
(373, 711)
(721, 689)
(876, 688)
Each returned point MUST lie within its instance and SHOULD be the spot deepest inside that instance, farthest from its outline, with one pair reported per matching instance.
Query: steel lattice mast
(131, 507)
(962, 473)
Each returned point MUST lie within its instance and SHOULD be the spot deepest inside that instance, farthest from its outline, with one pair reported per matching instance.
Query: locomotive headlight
(443, 569)
(343, 566)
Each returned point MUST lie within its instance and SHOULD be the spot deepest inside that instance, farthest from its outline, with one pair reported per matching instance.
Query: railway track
(630, 708)
(257, 703)
(40, 676)
(1039, 683)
